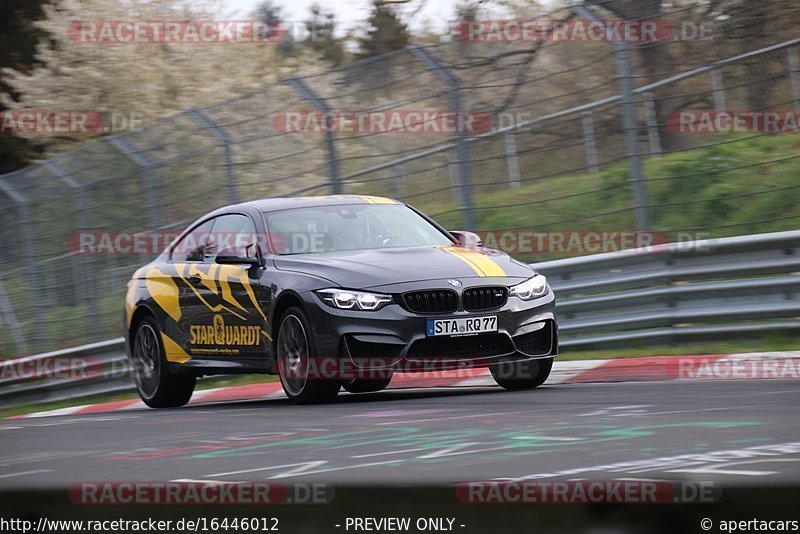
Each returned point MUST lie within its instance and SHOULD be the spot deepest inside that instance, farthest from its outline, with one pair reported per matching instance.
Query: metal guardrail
(74, 373)
(712, 289)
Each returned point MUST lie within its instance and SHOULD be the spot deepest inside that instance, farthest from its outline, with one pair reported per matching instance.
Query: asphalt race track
(744, 432)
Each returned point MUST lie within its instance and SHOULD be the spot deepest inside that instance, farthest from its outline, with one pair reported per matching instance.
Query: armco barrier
(700, 290)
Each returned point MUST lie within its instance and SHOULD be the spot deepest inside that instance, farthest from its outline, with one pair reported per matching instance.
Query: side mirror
(467, 239)
(236, 256)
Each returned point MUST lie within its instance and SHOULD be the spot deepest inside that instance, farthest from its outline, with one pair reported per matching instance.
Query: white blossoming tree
(150, 79)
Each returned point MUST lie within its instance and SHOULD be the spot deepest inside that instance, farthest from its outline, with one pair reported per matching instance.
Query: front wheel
(157, 387)
(524, 374)
(294, 350)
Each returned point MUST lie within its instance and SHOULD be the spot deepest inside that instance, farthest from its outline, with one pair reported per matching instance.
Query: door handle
(195, 279)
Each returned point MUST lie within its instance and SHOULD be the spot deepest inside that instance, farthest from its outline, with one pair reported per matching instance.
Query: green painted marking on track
(511, 443)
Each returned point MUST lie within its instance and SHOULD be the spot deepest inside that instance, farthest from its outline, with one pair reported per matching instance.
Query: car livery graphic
(329, 293)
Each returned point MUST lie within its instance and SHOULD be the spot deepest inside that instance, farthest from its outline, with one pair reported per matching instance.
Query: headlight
(530, 289)
(354, 300)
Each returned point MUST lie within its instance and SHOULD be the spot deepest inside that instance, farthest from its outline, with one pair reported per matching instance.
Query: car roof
(276, 204)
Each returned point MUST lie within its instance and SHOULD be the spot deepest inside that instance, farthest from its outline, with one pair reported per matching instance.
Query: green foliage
(321, 28)
(739, 185)
(386, 32)
(18, 39)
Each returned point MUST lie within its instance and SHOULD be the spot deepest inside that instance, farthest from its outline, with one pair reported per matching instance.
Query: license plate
(463, 326)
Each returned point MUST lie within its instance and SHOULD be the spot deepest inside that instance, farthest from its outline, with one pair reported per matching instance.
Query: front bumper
(395, 338)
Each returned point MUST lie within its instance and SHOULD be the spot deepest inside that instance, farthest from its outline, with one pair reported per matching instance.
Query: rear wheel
(524, 374)
(367, 385)
(157, 387)
(294, 352)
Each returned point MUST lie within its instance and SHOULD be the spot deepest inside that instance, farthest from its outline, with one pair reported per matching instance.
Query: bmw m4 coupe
(331, 293)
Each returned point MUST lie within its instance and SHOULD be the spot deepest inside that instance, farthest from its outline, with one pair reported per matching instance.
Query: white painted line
(198, 396)
(79, 420)
(60, 411)
(138, 405)
(207, 482)
(565, 371)
(328, 470)
(311, 464)
(476, 381)
(713, 469)
(384, 453)
(549, 438)
(678, 463)
(412, 421)
(25, 473)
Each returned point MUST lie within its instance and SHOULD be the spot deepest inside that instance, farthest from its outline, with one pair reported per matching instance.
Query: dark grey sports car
(332, 292)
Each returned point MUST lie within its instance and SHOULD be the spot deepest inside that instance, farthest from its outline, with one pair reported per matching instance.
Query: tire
(157, 387)
(294, 348)
(367, 385)
(525, 374)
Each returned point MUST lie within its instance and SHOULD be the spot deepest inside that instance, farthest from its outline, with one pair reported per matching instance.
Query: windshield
(350, 227)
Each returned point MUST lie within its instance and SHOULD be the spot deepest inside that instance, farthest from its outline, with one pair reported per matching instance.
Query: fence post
(7, 313)
(652, 124)
(452, 174)
(333, 161)
(718, 86)
(794, 75)
(462, 150)
(37, 304)
(630, 123)
(400, 190)
(222, 136)
(86, 280)
(589, 142)
(148, 175)
(510, 142)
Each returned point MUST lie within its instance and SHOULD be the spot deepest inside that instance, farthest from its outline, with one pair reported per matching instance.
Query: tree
(152, 79)
(386, 33)
(321, 28)
(272, 13)
(18, 38)
(739, 26)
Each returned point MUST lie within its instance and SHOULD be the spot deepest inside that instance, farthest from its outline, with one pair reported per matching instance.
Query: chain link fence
(583, 139)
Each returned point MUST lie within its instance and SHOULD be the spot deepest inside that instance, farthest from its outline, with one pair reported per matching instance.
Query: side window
(194, 245)
(233, 232)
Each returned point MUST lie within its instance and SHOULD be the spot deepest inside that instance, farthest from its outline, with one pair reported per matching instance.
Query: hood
(366, 269)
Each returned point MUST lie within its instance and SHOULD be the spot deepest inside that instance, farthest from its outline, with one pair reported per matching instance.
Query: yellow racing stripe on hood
(377, 200)
(482, 265)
